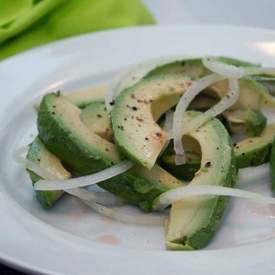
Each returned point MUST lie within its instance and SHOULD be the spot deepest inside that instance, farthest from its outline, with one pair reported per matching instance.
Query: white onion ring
(181, 108)
(180, 193)
(85, 180)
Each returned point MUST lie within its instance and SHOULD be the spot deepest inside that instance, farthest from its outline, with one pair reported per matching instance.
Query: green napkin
(28, 23)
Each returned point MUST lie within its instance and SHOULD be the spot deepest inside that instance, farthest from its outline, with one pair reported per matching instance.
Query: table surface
(234, 12)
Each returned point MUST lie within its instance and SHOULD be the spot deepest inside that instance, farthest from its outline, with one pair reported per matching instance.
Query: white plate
(70, 239)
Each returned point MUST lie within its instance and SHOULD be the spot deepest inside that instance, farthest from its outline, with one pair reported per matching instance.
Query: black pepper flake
(54, 106)
(208, 164)
(146, 138)
(120, 127)
(218, 148)
(134, 108)
(158, 134)
(139, 119)
(107, 150)
(243, 154)
(38, 160)
(125, 119)
(99, 115)
(112, 103)
(53, 113)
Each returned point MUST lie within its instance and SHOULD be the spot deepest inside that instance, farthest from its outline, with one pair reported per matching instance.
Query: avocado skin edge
(47, 199)
(254, 158)
(201, 238)
(272, 166)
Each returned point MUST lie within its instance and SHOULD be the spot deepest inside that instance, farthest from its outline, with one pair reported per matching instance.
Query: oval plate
(71, 239)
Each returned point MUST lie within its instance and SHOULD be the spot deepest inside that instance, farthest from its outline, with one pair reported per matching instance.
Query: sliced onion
(181, 108)
(232, 71)
(43, 173)
(180, 193)
(226, 70)
(105, 198)
(167, 127)
(120, 215)
(168, 123)
(225, 103)
(85, 180)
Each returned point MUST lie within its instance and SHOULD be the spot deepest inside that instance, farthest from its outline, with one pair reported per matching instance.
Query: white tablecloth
(255, 13)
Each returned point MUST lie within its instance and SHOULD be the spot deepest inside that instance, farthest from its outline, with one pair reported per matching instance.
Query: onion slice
(232, 71)
(181, 108)
(105, 198)
(43, 173)
(118, 214)
(226, 70)
(85, 180)
(180, 193)
(226, 102)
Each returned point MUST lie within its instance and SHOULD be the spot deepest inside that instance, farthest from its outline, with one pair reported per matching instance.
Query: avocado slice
(97, 120)
(253, 95)
(251, 122)
(186, 171)
(136, 111)
(84, 97)
(39, 154)
(191, 68)
(192, 222)
(255, 151)
(272, 166)
(65, 134)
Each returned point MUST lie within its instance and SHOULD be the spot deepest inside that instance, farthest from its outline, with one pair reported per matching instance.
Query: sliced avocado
(84, 97)
(185, 171)
(272, 166)
(97, 120)
(191, 68)
(202, 102)
(268, 83)
(253, 95)
(255, 151)
(136, 111)
(193, 221)
(39, 155)
(251, 122)
(66, 135)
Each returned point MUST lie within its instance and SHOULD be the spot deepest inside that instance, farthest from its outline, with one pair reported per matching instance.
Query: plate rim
(20, 265)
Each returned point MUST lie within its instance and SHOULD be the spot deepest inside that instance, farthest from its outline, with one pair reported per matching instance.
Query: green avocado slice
(251, 122)
(136, 111)
(97, 120)
(253, 95)
(193, 222)
(66, 135)
(255, 151)
(84, 97)
(272, 166)
(39, 154)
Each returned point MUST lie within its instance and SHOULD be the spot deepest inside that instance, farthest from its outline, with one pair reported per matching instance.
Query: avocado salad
(167, 137)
